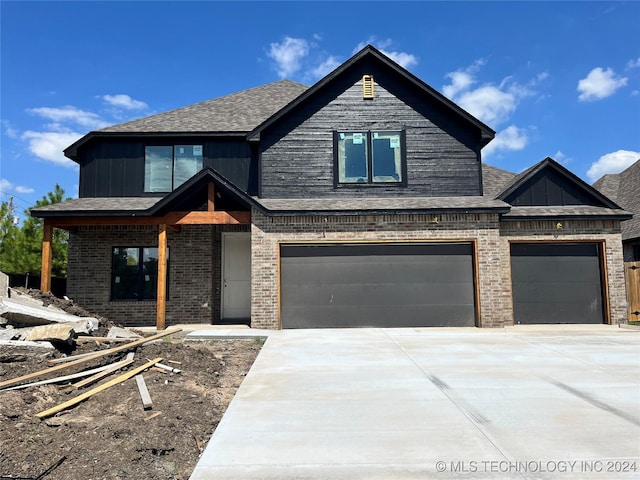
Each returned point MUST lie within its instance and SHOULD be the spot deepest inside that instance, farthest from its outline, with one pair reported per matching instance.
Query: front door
(236, 275)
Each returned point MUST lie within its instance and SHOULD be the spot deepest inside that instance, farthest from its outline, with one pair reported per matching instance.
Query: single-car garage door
(377, 285)
(556, 283)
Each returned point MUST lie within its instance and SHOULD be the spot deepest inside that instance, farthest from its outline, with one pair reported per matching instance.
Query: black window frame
(139, 294)
(369, 183)
(173, 147)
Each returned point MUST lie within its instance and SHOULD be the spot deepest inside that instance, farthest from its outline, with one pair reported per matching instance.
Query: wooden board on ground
(104, 386)
(102, 353)
(147, 404)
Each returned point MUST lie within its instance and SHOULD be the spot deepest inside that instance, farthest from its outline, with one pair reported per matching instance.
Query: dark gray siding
(115, 168)
(548, 187)
(297, 158)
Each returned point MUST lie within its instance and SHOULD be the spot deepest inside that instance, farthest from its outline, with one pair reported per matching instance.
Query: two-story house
(359, 201)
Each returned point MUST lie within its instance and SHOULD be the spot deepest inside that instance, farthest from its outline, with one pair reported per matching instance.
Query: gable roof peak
(486, 133)
(549, 163)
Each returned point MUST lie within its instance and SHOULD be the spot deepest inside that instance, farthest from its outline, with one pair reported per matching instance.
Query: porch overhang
(201, 192)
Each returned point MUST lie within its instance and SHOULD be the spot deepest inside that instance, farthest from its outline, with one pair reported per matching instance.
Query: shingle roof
(608, 185)
(237, 112)
(565, 212)
(101, 205)
(624, 188)
(278, 206)
(494, 180)
(358, 205)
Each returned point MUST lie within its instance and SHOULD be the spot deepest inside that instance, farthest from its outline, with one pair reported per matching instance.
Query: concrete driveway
(521, 403)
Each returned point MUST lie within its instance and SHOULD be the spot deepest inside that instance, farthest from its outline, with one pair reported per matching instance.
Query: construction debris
(118, 332)
(84, 358)
(147, 404)
(23, 312)
(90, 393)
(54, 333)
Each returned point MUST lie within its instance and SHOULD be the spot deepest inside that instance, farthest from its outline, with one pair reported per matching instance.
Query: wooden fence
(632, 277)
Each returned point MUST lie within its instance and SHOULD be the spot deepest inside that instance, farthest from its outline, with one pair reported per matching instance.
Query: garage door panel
(537, 313)
(377, 285)
(556, 283)
(386, 269)
(381, 294)
(557, 292)
(380, 317)
(559, 268)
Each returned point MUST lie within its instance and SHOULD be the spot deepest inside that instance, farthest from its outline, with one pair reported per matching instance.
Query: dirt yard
(110, 435)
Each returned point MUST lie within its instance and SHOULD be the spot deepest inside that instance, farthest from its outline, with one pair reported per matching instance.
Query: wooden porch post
(211, 196)
(162, 277)
(47, 257)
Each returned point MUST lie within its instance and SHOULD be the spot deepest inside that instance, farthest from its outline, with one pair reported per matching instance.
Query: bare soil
(110, 435)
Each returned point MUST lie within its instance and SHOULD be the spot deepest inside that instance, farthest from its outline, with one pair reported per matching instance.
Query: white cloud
(23, 189)
(633, 63)
(288, 55)
(49, 145)
(613, 162)
(124, 101)
(5, 185)
(70, 114)
(510, 139)
(404, 59)
(490, 103)
(9, 130)
(327, 66)
(459, 81)
(599, 84)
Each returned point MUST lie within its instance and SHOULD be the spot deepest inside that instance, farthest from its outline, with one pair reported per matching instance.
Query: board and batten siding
(115, 168)
(297, 158)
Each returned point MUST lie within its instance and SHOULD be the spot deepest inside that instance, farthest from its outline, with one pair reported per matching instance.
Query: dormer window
(168, 167)
(370, 157)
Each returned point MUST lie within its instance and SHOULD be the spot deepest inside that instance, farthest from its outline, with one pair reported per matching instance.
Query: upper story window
(370, 157)
(168, 167)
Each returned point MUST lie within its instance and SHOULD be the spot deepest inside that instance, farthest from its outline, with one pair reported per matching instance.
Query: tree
(21, 248)
(9, 239)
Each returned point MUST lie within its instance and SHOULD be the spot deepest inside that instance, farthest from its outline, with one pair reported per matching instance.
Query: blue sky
(559, 79)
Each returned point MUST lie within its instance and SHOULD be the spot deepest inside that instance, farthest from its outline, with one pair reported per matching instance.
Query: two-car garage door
(377, 285)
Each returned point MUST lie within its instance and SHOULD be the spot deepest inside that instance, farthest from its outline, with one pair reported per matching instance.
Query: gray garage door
(376, 285)
(556, 283)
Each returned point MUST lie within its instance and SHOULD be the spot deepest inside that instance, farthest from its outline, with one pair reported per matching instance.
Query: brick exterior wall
(491, 238)
(194, 273)
(196, 263)
(268, 232)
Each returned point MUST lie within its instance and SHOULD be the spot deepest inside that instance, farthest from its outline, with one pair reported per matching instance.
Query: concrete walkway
(521, 403)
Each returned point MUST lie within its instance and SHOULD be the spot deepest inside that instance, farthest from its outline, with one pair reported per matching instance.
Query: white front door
(236, 275)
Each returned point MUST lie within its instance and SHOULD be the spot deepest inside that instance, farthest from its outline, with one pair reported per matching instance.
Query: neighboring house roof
(624, 188)
(237, 113)
(494, 180)
(487, 134)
